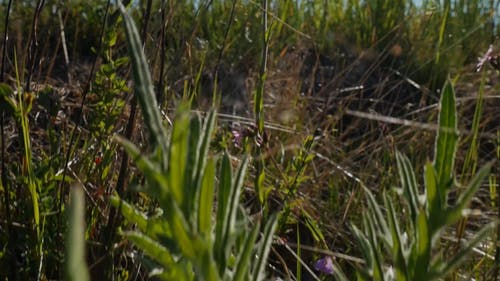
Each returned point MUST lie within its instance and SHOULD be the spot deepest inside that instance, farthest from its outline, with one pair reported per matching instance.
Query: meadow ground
(352, 140)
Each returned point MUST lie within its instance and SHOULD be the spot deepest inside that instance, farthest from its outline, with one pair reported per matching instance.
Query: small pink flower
(325, 265)
(484, 59)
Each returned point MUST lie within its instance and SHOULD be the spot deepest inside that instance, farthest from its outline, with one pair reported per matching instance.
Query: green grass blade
(367, 251)
(456, 213)
(471, 158)
(243, 263)
(446, 141)
(265, 247)
(233, 200)
(378, 269)
(201, 163)
(223, 201)
(76, 266)
(190, 172)
(462, 254)
(376, 215)
(474, 185)
(442, 30)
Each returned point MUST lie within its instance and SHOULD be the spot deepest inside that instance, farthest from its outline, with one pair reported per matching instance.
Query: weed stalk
(259, 105)
(161, 91)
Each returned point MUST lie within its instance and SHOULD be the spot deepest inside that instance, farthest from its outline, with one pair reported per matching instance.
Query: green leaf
(151, 248)
(377, 265)
(202, 157)
(178, 155)
(221, 224)
(313, 227)
(398, 246)
(160, 254)
(367, 251)
(232, 203)
(422, 250)
(153, 227)
(144, 85)
(76, 266)
(456, 213)
(151, 171)
(446, 141)
(129, 212)
(409, 183)
(445, 268)
(243, 262)
(206, 200)
(264, 248)
(180, 230)
(376, 216)
(190, 207)
(433, 204)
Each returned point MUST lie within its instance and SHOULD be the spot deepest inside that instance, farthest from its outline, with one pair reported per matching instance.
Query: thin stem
(161, 92)
(33, 44)
(226, 34)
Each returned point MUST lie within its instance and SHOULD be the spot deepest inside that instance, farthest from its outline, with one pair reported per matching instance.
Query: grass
(344, 101)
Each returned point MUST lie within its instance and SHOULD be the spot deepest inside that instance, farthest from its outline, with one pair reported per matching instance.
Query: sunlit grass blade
(76, 266)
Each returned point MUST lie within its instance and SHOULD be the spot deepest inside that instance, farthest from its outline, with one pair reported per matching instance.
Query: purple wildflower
(237, 138)
(325, 265)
